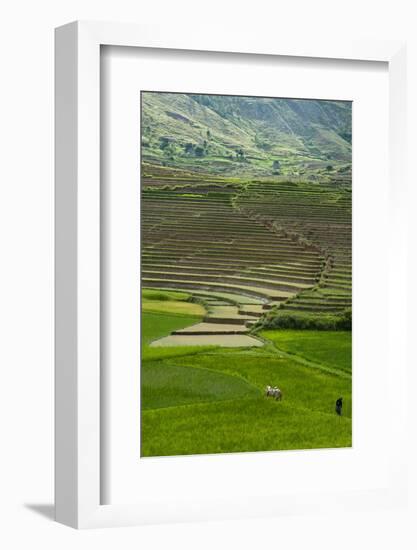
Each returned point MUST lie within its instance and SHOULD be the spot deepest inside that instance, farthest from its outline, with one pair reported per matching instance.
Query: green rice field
(211, 400)
(246, 273)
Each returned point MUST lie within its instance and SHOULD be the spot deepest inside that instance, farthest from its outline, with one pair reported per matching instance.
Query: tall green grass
(209, 400)
(157, 325)
(332, 349)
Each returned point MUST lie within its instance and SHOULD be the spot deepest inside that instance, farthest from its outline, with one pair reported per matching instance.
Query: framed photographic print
(228, 325)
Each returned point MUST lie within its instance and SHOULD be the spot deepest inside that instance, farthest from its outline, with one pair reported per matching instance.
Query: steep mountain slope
(245, 135)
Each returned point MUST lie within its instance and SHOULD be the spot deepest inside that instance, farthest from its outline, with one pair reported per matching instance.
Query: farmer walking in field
(339, 404)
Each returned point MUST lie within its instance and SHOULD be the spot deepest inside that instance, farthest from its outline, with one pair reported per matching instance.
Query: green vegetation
(285, 243)
(165, 385)
(333, 348)
(284, 319)
(164, 296)
(156, 325)
(206, 400)
(238, 426)
(246, 241)
(170, 302)
(245, 135)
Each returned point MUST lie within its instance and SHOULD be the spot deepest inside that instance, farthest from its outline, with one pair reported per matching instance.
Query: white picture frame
(78, 405)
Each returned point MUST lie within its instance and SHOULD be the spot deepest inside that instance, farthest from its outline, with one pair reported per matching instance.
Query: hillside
(246, 136)
(246, 274)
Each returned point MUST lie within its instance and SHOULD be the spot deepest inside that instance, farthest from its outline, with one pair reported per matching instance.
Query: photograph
(208, 275)
(246, 273)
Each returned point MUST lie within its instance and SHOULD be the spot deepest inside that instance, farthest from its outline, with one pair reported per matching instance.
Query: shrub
(276, 167)
(163, 142)
(305, 321)
(345, 320)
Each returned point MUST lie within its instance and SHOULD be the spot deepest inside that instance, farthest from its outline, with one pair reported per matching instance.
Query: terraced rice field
(242, 248)
(321, 216)
(246, 273)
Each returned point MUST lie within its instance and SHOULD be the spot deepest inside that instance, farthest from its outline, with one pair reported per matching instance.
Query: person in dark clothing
(339, 404)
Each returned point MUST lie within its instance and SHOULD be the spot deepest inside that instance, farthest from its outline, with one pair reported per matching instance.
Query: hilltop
(246, 136)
